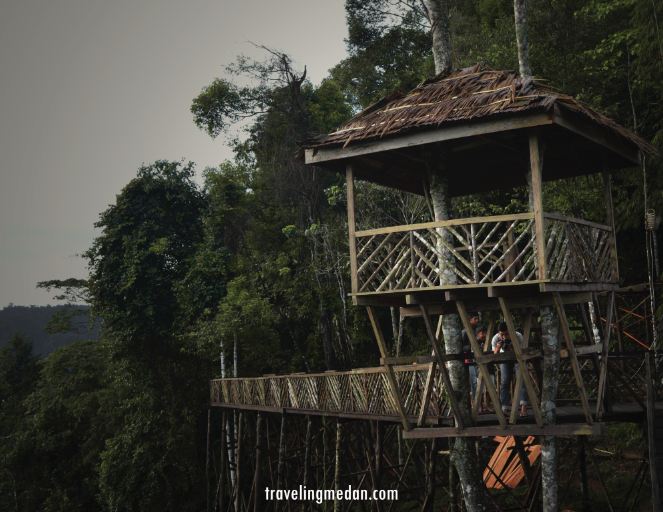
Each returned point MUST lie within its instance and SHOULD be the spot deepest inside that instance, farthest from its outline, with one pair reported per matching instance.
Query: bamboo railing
(364, 393)
(485, 251)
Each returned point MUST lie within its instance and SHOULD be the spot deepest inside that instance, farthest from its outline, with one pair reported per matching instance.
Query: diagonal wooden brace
(483, 368)
(573, 357)
(522, 368)
(603, 375)
(519, 380)
(391, 375)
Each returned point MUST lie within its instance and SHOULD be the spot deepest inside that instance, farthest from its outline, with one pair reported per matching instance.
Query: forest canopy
(192, 282)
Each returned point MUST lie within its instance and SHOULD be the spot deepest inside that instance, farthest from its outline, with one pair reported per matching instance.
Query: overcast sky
(91, 89)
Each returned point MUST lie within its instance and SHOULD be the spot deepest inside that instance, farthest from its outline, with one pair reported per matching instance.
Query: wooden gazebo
(480, 129)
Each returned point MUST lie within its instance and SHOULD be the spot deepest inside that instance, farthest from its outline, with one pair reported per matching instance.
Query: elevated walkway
(366, 394)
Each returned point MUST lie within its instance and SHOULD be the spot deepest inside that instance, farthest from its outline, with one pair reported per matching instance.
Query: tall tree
(522, 42)
(549, 324)
(464, 455)
(138, 266)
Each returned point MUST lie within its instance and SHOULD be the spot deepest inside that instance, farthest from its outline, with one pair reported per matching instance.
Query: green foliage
(217, 105)
(257, 258)
(147, 240)
(72, 290)
(54, 450)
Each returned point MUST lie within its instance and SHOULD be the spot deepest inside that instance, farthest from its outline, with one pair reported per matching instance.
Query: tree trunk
(550, 343)
(522, 42)
(463, 453)
(438, 16)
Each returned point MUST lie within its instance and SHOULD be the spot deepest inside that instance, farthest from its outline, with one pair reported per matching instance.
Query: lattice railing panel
(366, 392)
(579, 251)
(482, 251)
(362, 392)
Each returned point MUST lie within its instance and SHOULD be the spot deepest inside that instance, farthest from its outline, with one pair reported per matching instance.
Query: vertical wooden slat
(222, 472)
(238, 463)
(536, 170)
(207, 459)
(573, 357)
(610, 219)
(258, 496)
(350, 191)
(337, 464)
(391, 375)
(483, 368)
(529, 386)
(473, 248)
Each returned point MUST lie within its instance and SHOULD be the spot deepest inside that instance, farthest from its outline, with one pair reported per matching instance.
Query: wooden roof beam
(597, 134)
(453, 131)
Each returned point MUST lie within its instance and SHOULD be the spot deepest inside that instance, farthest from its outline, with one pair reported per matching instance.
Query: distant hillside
(31, 321)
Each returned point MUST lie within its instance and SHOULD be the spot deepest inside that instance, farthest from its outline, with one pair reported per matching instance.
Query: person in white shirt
(502, 342)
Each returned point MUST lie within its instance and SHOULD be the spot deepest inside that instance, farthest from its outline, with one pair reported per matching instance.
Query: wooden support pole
(536, 195)
(350, 194)
(390, 374)
(522, 368)
(603, 375)
(281, 456)
(222, 472)
(337, 464)
(584, 484)
(378, 454)
(519, 379)
(437, 352)
(307, 451)
(573, 357)
(483, 368)
(238, 464)
(207, 459)
(258, 494)
(523, 458)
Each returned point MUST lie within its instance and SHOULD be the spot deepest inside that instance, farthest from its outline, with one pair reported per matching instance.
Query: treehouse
(478, 130)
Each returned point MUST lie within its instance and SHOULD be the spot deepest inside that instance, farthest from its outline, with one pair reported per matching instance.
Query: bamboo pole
(337, 465)
(207, 460)
(258, 496)
(238, 464)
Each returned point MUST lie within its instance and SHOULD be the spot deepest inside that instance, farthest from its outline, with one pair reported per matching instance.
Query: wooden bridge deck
(365, 394)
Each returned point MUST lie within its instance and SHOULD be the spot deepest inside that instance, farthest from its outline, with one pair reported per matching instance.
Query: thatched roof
(470, 94)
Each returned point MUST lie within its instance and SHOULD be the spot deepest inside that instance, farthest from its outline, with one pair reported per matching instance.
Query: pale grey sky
(90, 89)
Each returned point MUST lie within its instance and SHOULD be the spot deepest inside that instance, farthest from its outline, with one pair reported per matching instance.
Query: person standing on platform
(501, 343)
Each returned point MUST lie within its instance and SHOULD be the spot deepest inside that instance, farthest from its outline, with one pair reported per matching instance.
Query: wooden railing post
(536, 204)
(350, 191)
